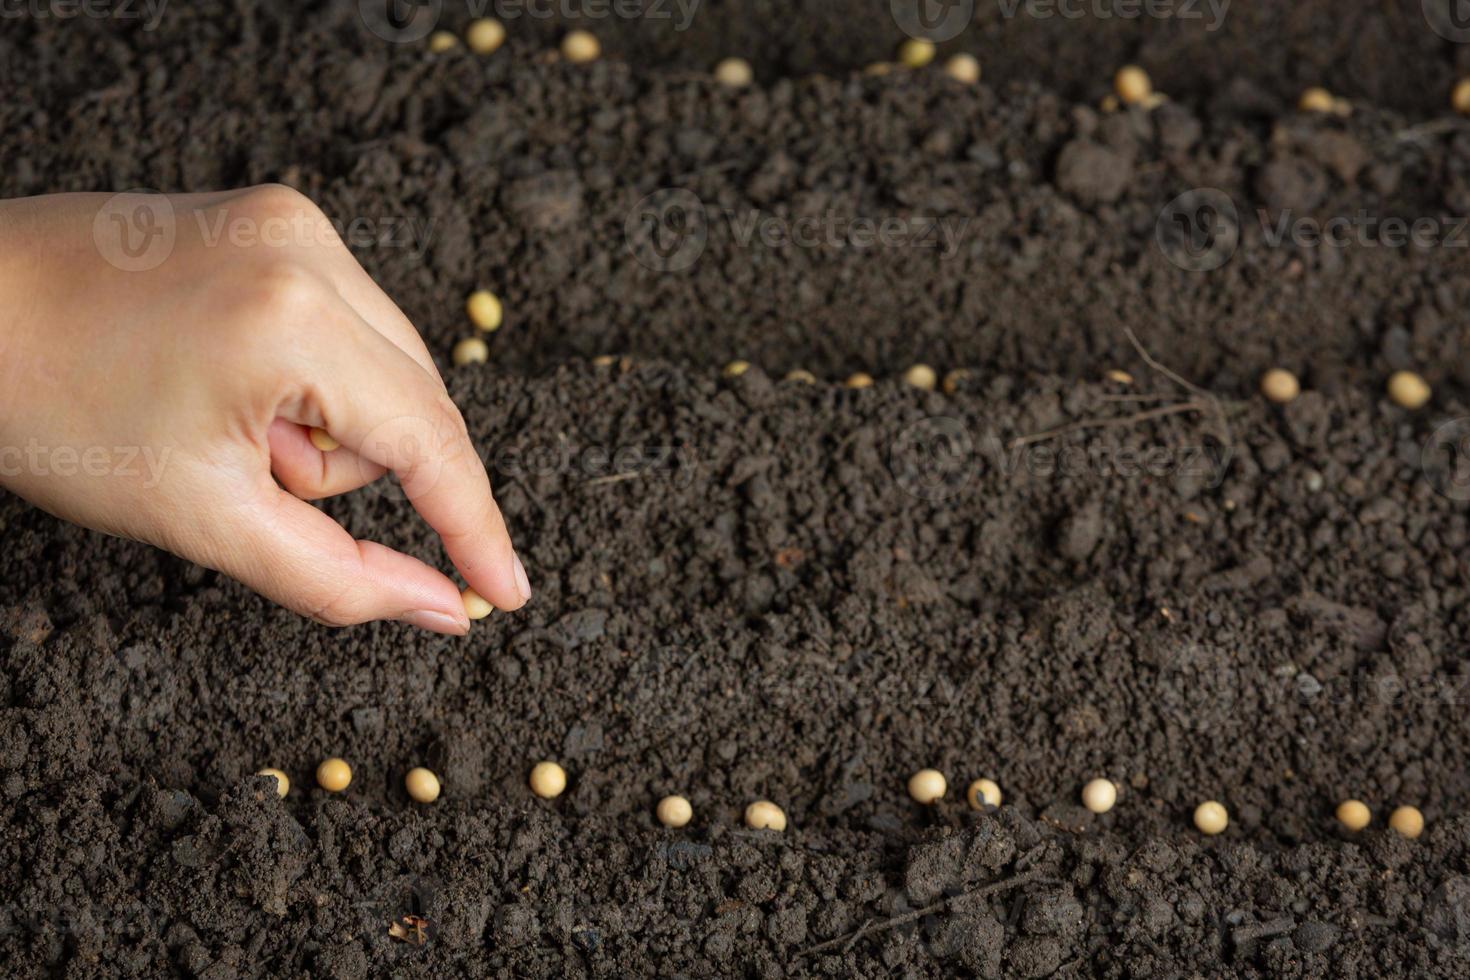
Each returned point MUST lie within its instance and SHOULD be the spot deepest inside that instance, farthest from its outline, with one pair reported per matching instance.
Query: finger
(311, 473)
(359, 291)
(294, 554)
(381, 403)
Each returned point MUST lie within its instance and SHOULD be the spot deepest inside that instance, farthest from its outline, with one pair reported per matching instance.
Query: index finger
(378, 401)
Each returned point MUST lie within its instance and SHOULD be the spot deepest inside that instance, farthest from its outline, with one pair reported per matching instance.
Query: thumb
(292, 553)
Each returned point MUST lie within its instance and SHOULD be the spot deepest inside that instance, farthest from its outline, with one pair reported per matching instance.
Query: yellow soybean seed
(1353, 814)
(485, 35)
(322, 439)
(801, 377)
(916, 52)
(422, 785)
(1407, 821)
(765, 815)
(963, 68)
(674, 811)
(927, 786)
(1132, 84)
(1211, 817)
(476, 606)
(580, 47)
(484, 310)
(283, 783)
(1099, 795)
(333, 775)
(441, 41)
(861, 379)
(983, 793)
(548, 780)
(471, 350)
(1280, 386)
(1316, 99)
(1408, 390)
(735, 369)
(921, 376)
(734, 72)
(1460, 97)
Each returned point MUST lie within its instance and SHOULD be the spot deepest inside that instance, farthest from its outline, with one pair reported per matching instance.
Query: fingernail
(522, 583)
(438, 622)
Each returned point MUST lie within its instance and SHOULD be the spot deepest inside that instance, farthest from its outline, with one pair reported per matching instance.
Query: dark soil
(756, 588)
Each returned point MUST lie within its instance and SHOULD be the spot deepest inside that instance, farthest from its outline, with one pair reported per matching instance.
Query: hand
(162, 358)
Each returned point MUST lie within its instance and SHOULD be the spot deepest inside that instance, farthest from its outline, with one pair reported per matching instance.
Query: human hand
(155, 398)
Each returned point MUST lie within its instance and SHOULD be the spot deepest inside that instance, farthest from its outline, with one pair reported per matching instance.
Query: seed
(674, 811)
(1408, 821)
(1211, 817)
(484, 310)
(1408, 390)
(441, 41)
(734, 72)
(1460, 97)
(1099, 795)
(485, 35)
(1280, 386)
(422, 785)
(605, 360)
(735, 369)
(878, 69)
(548, 780)
(860, 380)
(916, 52)
(476, 606)
(1316, 99)
(983, 793)
(333, 775)
(322, 439)
(963, 68)
(764, 815)
(471, 350)
(921, 376)
(927, 785)
(283, 782)
(1353, 814)
(954, 379)
(801, 377)
(1132, 84)
(580, 47)
(1121, 377)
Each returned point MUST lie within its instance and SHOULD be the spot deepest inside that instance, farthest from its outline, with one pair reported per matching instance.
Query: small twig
(1144, 416)
(871, 928)
(1178, 379)
(599, 481)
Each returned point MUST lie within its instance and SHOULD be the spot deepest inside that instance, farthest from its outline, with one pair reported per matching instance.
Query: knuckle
(265, 201)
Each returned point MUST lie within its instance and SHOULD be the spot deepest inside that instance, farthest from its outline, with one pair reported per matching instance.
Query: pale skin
(173, 404)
